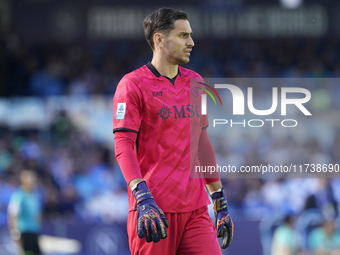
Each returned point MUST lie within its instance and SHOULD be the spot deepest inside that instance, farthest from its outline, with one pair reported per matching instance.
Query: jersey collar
(157, 74)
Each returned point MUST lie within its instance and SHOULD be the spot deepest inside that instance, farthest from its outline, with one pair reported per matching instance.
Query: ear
(158, 39)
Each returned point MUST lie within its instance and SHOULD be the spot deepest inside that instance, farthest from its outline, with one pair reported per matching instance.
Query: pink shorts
(190, 233)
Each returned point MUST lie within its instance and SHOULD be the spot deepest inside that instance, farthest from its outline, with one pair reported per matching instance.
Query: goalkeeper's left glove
(223, 222)
(151, 222)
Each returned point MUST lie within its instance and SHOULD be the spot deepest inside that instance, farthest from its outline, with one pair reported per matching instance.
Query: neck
(164, 67)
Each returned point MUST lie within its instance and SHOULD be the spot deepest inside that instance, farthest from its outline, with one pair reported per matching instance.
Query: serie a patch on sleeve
(121, 107)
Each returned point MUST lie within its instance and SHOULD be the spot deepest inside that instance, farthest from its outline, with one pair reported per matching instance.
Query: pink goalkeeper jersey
(168, 125)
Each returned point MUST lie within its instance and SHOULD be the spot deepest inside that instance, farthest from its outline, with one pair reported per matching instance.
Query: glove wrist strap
(135, 186)
(219, 190)
(220, 201)
(141, 192)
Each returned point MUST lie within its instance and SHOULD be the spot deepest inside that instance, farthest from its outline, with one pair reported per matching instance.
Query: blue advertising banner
(112, 239)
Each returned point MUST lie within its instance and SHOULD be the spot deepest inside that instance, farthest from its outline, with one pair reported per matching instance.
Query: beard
(177, 57)
(178, 60)
(181, 61)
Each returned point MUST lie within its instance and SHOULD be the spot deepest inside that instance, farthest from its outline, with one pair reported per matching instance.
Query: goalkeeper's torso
(167, 117)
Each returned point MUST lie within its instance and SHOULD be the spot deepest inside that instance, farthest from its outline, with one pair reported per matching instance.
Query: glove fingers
(162, 228)
(162, 223)
(144, 228)
(148, 233)
(154, 232)
(161, 214)
(154, 226)
(140, 227)
(165, 221)
(220, 231)
(225, 238)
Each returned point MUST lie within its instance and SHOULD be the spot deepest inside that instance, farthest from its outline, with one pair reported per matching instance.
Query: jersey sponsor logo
(157, 93)
(186, 111)
(180, 112)
(164, 113)
(121, 108)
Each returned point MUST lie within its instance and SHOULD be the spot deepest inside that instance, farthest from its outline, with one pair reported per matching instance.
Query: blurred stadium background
(60, 62)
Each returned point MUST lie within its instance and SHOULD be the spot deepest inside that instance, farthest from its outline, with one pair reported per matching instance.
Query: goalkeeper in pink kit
(156, 127)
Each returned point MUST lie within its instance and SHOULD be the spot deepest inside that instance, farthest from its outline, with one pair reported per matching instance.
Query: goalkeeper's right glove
(151, 222)
(223, 221)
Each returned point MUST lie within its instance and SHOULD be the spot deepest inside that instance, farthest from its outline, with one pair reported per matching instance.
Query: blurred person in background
(24, 214)
(325, 240)
(323, 198)
(285, 240)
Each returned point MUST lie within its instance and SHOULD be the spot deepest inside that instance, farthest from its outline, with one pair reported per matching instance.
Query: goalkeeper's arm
(151, 222)
(223, 221)
(126, 157)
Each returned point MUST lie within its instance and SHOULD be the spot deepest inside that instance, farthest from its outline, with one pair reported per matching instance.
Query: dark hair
(161, 20)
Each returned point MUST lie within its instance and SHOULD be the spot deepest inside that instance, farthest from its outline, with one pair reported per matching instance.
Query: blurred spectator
(48, 81)
(323, 199)
(24, 214)
(285, 240)
(325, 240)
